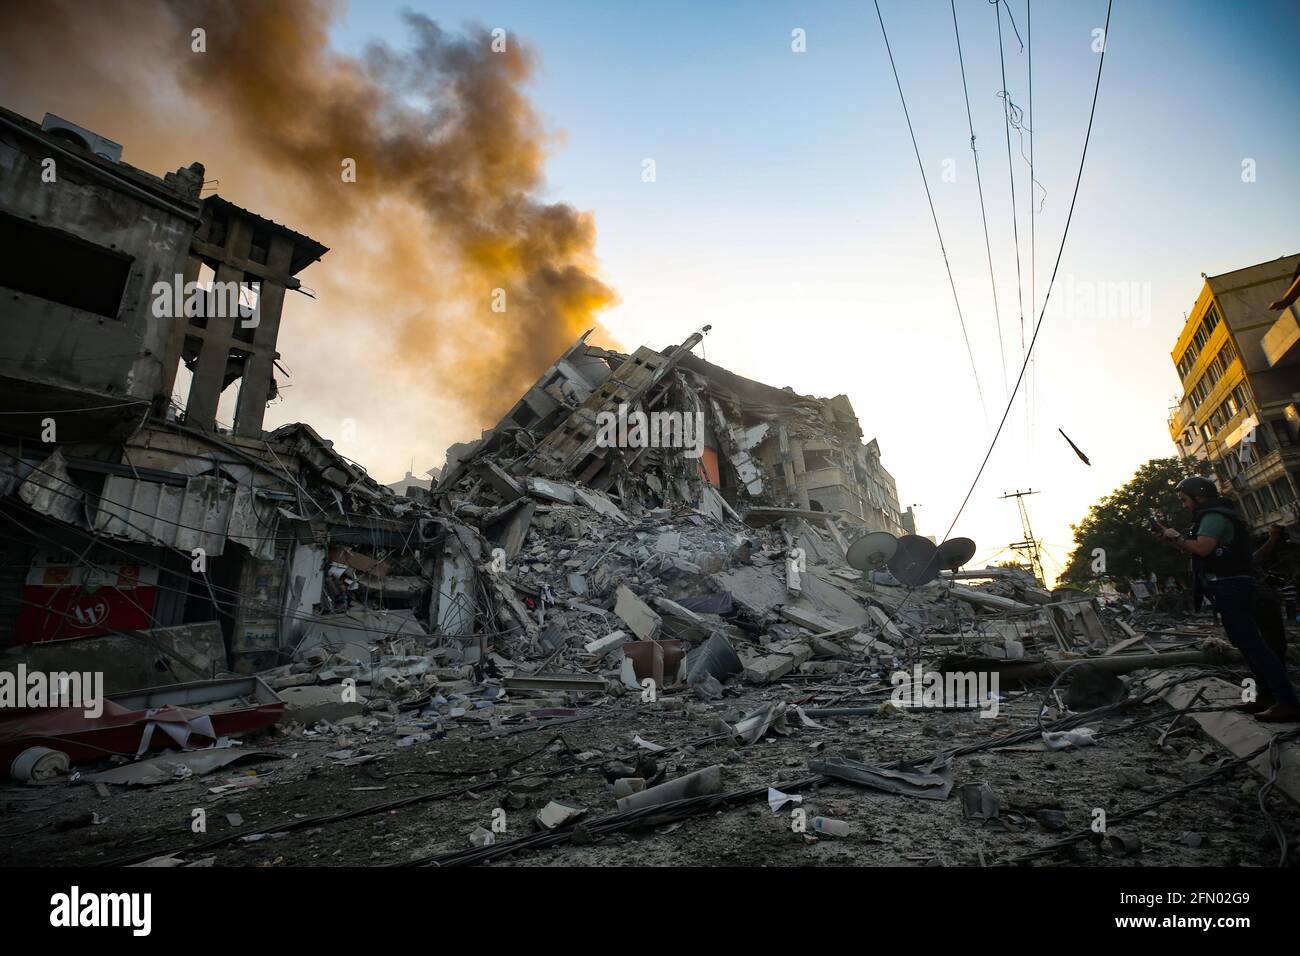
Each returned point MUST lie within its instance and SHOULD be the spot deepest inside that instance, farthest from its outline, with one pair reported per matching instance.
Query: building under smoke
(142, 494)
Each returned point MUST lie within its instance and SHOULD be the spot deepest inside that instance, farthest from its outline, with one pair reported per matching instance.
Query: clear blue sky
(789, 213)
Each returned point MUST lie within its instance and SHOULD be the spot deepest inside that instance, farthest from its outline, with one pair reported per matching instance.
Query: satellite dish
(916, 562)
(872, 551)
(955, 552)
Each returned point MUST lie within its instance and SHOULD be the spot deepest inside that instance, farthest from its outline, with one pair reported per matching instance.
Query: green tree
(1118, 526)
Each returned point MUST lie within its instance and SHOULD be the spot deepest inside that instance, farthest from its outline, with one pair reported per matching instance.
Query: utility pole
(1029, 545)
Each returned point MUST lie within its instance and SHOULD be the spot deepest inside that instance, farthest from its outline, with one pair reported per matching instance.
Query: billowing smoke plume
(443, 221)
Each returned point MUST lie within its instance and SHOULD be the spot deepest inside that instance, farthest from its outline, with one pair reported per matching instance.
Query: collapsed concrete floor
(373, 797)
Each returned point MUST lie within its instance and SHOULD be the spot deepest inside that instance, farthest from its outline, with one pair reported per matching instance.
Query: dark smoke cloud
(449, 157)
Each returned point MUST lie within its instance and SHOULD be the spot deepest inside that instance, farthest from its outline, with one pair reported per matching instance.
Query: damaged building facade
(142, 535)
(1239, 364)
(759, 446)
(154, 527)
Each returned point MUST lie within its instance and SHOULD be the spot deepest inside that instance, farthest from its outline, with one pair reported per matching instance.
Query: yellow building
(1239, 365)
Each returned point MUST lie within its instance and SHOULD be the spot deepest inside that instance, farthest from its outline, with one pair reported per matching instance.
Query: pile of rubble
(565, 568)
(654, 613)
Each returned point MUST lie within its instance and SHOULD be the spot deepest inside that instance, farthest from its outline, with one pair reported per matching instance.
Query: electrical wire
(933, 215)
(979, 182)
(1033, 240)
(1015, 225)
(88, 408)
(1047, 296)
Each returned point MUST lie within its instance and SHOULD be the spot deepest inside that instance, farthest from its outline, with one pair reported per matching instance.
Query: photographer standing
(1222, 570)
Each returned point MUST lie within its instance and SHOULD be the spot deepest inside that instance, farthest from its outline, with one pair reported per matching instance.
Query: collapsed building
(756, 445)
(162, 542)
(635, 523)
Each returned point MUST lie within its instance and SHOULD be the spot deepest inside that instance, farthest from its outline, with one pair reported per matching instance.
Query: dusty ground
(1125, 770)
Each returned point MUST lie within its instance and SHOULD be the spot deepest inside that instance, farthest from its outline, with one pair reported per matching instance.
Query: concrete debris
(1065, 739)
(637, 578)
(606, 645)
(171, 767)
(556, 814)
(979, 802)
(308, 705)
(636, 614)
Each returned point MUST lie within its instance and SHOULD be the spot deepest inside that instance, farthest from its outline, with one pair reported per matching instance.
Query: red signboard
(63, 601)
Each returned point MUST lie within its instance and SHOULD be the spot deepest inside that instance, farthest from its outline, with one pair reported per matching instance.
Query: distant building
(1239, 364)
(406, 486)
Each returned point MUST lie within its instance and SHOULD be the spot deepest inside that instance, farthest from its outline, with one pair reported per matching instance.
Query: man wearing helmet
(1220, 548)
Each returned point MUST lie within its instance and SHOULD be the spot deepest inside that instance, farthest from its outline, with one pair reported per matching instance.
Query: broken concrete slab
(1240, 733)
(783, 659)
(886, 624)
(603, 647)
(636, 614)
(806, 619)
(578, 683)
(759, 590)
(828, 596)
(512, 531)
(699, 783)
(987, 599)
(599, 503)
(669, 542)
(553, 490)
(556, 814)
(496, 479)
(307, 705)
(674, 610)
(169, 767)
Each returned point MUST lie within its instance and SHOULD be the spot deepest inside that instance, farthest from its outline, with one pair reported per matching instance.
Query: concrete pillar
(800, 474)
(260, 367)
(210, 371)
(175, 343)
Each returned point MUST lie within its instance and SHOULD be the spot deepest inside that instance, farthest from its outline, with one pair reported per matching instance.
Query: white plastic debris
(1064, 739)
(777, 800)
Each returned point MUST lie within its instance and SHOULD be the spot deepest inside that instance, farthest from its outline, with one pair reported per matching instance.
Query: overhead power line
(933, 215)
(1092, 113)
(1033, 241)
(1015, 225)
(979, 182)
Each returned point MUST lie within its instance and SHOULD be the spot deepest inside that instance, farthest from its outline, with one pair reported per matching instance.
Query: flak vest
(1225, 561)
